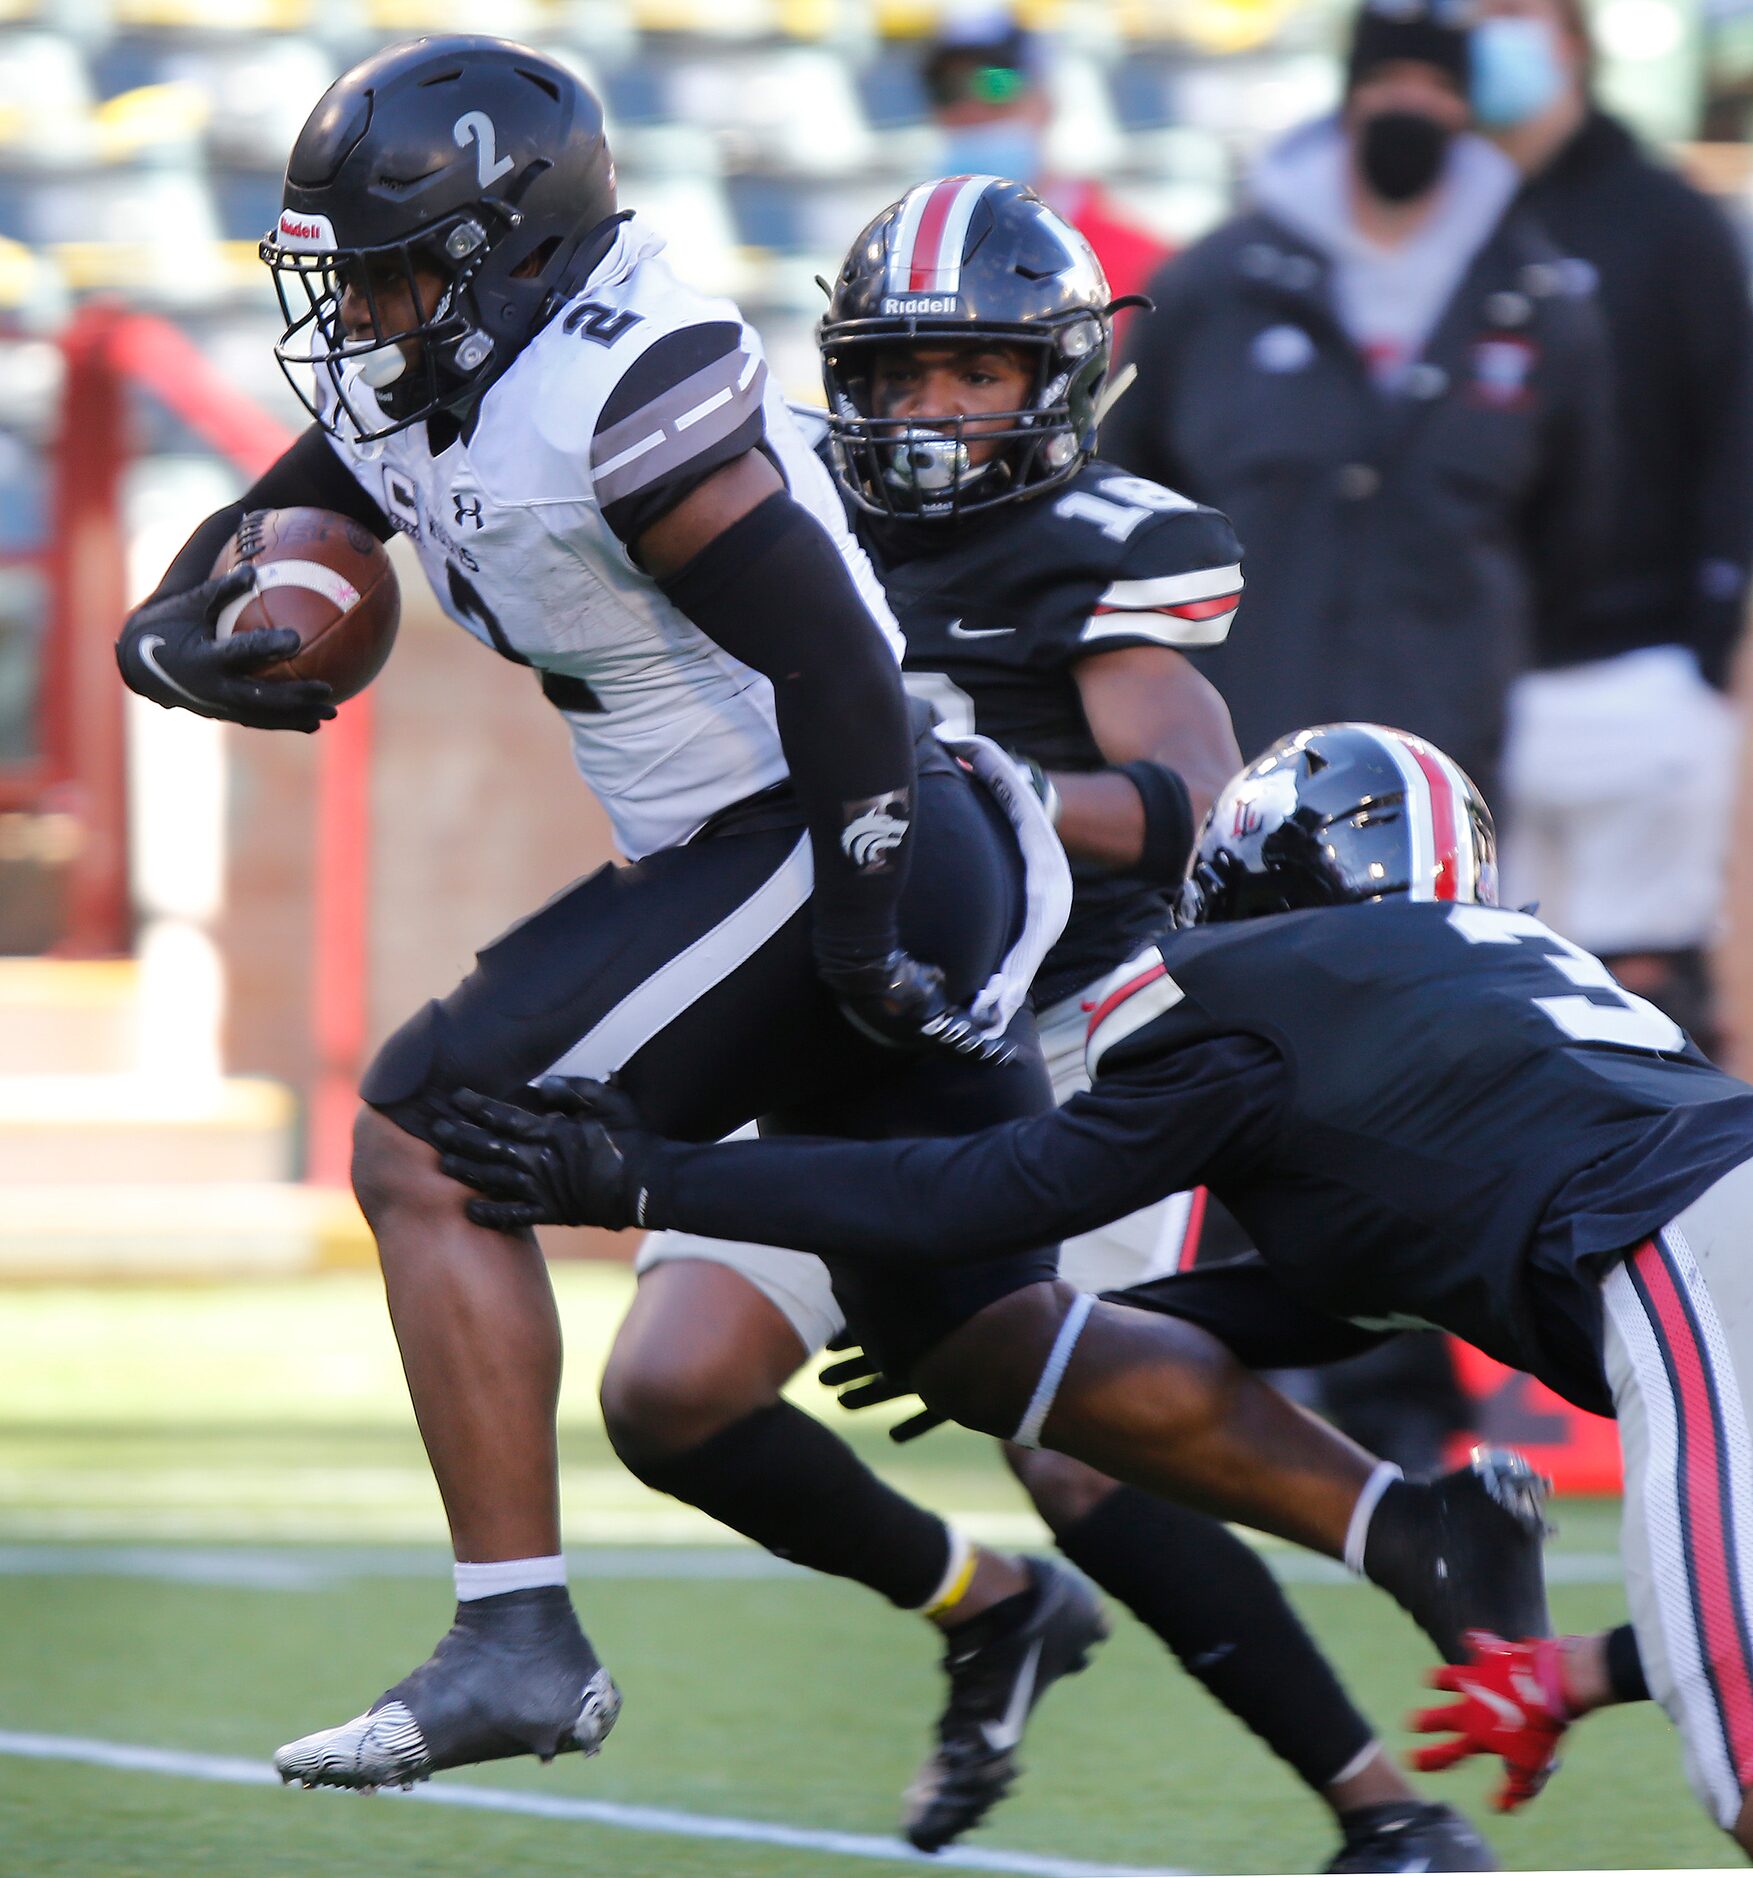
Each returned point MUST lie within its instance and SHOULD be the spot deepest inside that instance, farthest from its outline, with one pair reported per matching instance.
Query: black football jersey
(1421, 1113)
(999, 610)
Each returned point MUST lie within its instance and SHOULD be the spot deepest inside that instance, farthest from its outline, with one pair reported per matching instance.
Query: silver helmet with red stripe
(1337, 815)
(973, 260)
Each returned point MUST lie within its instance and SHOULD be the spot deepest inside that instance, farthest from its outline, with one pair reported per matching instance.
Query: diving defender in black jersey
(1424, 1109)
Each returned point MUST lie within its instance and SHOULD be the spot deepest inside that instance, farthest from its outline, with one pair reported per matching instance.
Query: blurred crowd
(1462, 355)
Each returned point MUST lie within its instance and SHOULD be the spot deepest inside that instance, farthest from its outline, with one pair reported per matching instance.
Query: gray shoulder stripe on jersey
(654, 454)
(738, 378)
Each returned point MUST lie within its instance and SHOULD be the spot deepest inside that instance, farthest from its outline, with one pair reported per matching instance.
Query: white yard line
(320, 1568)
(231, 1771)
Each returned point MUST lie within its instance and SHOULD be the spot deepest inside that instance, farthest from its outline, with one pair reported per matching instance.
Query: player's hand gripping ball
(1511, 1704)
(325, 585)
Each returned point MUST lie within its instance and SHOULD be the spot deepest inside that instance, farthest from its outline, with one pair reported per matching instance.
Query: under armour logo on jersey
(468, 509)
(874, 828)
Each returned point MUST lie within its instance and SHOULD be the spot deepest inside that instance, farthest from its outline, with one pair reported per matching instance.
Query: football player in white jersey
(602, 485)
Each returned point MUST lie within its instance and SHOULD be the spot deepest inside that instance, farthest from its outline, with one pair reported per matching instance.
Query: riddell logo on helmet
(922, 303)
(306, 231)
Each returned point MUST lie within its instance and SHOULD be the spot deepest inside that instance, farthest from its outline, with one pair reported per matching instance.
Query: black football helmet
(469, 156)
(1336, 815)
(965, 258)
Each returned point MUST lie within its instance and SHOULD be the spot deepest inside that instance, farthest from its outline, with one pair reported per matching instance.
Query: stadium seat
(708, 19)
(792, 109)
(214, 16)
(1084, 138)
(45, 101)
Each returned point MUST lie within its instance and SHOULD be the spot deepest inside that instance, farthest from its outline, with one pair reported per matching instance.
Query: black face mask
(1401, 154)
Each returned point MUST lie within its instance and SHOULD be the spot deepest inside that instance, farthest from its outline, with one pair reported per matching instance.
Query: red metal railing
(80, 768)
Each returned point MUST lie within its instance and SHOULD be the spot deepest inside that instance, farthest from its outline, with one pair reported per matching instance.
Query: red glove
(1512, 1703)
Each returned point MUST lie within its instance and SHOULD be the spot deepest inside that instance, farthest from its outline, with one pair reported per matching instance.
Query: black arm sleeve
(774, 591)
(308, 476)
(1149, 1129)
(1242, 1303)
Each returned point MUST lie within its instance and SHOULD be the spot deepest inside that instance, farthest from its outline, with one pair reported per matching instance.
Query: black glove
(560, 1167)
(860, 1384)
(168, 653)
(900, 1003)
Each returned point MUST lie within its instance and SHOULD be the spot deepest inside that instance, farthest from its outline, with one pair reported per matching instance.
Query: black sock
(780, 1478)
(1212, 1600)
(1625, 1675)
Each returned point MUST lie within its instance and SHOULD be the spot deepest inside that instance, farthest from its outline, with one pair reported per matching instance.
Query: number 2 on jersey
(1630, 1022)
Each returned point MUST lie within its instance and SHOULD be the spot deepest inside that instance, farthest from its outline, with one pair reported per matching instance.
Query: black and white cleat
(1466, 1551)
(999, 1666)
(515, 1675)
(1409, 1836)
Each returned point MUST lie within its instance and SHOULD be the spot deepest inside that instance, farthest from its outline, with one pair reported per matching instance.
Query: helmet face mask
(965, 261)
(1337, 816)
(401, 372)
(472, 163)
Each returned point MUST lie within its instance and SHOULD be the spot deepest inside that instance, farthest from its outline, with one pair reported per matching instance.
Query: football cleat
(999, 1666)
(1511, 1703)
(515, 1675)
(1411, 1835)
(1464, 1552)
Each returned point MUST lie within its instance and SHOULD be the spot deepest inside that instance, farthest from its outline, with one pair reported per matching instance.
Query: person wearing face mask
(983, 75)
(1380, 371)
(1621, 748)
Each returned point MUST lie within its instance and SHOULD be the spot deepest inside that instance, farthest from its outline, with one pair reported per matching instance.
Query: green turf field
(216, 1531)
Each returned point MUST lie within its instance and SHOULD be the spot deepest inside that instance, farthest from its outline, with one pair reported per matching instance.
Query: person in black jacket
(1620, 758)
(1379, 372)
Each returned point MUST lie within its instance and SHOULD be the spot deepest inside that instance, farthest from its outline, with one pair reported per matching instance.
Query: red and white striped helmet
(1340, 814)
(972, 259)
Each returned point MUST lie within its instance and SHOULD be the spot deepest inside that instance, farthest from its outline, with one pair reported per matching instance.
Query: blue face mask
(1517, 71)
(1004, 147)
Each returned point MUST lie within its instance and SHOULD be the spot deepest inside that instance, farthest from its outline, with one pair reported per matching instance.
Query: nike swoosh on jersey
(958, 631)
(149, 644)
(1007, 1732)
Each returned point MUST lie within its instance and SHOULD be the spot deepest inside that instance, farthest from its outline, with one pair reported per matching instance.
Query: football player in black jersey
(1048, 602)
(830, 924)
(1423, 1108)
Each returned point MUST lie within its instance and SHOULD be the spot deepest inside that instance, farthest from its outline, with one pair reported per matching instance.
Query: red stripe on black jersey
(1115, 999)
(1189, 609)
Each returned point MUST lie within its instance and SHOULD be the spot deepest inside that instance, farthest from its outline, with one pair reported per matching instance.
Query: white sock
(508, 1574)
(1358, 1531)
(956, 1574)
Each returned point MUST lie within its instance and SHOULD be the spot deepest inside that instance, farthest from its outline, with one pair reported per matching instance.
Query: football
(328, 579)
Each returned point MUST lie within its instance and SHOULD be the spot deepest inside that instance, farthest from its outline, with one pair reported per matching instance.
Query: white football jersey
(516, 527)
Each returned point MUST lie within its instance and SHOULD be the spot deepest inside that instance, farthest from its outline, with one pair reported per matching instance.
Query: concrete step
(70, 1016)
(106, 1130)
(70, 1234)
